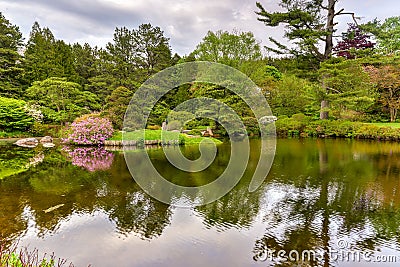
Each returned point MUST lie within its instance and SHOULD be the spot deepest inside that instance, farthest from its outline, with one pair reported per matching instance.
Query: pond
(326, 202)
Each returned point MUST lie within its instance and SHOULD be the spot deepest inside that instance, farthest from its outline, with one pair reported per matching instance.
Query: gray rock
(27, 142)
(46, 139)
(48, 145)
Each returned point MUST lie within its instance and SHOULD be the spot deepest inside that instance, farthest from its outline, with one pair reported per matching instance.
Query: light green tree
(346, 86)
(387, 34)
(63, 100)
(232, 49)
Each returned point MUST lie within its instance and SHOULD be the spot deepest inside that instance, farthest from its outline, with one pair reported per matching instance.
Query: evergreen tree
(10, 59)
(40, 62)
(308, 23)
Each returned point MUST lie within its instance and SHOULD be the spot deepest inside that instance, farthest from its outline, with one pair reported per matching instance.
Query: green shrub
(251, 124)
(39, 129)
(14, 116)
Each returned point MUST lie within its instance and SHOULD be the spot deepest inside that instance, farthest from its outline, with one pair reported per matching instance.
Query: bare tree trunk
(324, 113)
(330, 28)
(393, 114)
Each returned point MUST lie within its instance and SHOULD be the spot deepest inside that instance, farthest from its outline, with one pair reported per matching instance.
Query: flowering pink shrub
(90, 158)
(89, 130)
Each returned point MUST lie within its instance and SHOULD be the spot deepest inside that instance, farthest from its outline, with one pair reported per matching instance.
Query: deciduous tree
(231, 49)
(354, 43)
(387, 34)
(387, 80)
(63, 100)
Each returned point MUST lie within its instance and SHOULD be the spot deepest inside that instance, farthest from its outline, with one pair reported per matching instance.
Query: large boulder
(27, 142)
(46, 139)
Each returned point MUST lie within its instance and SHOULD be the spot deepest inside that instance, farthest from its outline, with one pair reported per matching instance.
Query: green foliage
(387, 34)
(116, 105)
(156, 135)
(291, 95)
(307, 22)
(300, 125)
(10, 66)
(231, 49)
(14, 116)
(14, 161)
(346, 85)
(62, 101)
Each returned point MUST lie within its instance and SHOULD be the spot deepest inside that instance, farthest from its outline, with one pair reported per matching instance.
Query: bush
(90, 130)
(251, 124)
(154, 127)
(39, 129)
(14, 115)
(174, 125)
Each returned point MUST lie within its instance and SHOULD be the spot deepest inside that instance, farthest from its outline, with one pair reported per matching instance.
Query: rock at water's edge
(48, 145)
(27, 142)
(46, 139)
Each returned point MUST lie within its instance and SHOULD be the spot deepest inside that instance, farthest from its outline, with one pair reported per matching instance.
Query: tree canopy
(309, 23)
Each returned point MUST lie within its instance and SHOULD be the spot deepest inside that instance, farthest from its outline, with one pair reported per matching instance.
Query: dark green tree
(346, 86)
(10, 69)
(116, 105)
(152, 49)
(84, 62)
(136, 54)
(309, 24)
(64, 61)
(40, 55)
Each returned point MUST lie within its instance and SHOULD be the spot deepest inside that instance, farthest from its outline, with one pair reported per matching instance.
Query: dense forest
(322, 75)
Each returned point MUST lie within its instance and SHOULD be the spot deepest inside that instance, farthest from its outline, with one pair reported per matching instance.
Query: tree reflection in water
(318, 191)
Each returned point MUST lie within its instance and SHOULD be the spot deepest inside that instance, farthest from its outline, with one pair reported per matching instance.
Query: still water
(338, 199)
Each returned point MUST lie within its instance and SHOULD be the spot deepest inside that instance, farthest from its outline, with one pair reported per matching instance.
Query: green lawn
(386, 124)
(156, 135)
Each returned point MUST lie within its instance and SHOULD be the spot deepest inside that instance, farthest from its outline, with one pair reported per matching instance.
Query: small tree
(353, 41)
(63, 100)
(346, 86)
(387, 80)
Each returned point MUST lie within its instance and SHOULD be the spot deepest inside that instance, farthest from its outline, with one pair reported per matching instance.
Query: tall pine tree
(10, 59)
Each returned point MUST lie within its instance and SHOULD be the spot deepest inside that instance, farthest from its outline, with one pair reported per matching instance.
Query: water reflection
(90, 158)
(317, 193)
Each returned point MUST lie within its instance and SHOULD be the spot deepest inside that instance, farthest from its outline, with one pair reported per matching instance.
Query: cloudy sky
(185, 22)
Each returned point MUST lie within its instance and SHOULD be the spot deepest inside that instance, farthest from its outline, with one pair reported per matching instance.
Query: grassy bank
(156, 135)
(300, 125)
(25, 258)
(6, 135)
